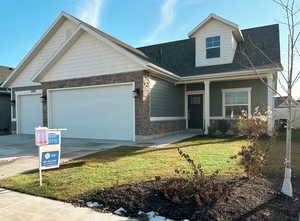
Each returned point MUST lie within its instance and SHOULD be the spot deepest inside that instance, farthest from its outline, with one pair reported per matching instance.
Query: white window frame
(224, 91)
(212, 46)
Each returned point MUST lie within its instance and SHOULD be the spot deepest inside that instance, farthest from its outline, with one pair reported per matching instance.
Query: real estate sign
(49, 148)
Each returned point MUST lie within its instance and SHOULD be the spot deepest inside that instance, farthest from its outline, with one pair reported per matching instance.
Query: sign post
(49, 144)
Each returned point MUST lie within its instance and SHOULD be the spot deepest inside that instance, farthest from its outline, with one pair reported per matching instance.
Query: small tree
(288, 78)
(253, 155)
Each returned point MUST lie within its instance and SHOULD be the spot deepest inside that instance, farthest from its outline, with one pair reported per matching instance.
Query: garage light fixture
(12, 102)
(43, 98)
(136, 92)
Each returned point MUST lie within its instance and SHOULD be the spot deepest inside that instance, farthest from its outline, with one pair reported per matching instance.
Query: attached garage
(29, 112)
(96, 112)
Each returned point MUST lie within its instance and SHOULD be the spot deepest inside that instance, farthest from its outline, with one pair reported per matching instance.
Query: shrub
(212, 129)
(236, 128)
(193, 186)
(223, 126)
(254, 155)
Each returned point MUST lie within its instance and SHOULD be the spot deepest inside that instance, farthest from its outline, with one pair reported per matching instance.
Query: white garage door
(29, 113)
(105, 112)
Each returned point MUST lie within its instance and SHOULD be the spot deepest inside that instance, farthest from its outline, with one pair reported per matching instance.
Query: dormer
(216, 40)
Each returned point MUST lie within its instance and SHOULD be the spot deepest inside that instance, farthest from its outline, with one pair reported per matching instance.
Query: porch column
(270, 104)
(206, 106)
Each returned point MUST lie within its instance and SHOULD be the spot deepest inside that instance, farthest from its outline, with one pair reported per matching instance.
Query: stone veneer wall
(143, 125)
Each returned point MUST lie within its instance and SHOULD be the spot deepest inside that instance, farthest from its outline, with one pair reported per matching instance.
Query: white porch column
(206, 106)
(270, 104)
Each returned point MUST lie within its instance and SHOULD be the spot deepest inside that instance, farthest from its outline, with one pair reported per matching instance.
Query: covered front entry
(195, 111)
(98, 112)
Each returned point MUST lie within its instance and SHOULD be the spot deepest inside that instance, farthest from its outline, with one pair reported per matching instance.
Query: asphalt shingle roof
(4, 73)
(179, 56)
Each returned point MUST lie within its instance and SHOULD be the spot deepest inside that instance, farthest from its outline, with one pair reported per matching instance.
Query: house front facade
(80, 78)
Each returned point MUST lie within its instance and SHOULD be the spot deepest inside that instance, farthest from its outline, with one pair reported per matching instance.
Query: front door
(195, 111)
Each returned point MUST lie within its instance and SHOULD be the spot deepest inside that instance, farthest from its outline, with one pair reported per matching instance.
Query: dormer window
(213, 47)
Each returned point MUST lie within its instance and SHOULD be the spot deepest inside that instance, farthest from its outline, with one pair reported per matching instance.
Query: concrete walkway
(22, 207)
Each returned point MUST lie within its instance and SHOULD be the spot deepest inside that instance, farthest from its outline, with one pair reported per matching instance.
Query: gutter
(226, 75)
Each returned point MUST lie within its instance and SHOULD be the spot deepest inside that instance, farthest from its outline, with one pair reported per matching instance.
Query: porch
(209, 101)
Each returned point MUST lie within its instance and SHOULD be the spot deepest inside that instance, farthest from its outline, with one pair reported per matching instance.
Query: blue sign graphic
(50, 159)
(53, 138)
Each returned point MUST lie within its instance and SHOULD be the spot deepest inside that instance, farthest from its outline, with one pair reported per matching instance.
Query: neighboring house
(5, 118)
(281, 110)
(80, 78)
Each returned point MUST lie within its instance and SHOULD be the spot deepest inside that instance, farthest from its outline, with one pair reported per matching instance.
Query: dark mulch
(248, 199)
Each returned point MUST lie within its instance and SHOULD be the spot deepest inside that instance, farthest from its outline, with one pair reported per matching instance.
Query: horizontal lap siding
(48, 49)
(195, 87)
(227, 47)
(259, 95)
(87, 57)
(167, 99)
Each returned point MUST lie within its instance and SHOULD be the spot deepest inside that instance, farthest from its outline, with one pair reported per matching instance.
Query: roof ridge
(163, 43)
(3, 66)
(264, 26)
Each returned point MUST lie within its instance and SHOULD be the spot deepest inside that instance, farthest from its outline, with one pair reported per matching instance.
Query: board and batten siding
(259, 94)
(227, 40)
(87, 57)
(166, 99)
(48, 49)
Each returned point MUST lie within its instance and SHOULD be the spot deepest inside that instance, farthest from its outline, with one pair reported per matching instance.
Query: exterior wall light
(43, 98)
(136, 92)
(12, 102)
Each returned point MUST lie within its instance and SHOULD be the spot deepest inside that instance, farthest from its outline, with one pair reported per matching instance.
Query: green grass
(275, 165)
(125, 165)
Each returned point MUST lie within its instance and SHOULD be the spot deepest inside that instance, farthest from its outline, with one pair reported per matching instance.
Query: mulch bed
(248, 199)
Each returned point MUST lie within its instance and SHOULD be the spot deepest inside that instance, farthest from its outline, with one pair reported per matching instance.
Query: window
(235, 101)
(213, 47)
(196, 100)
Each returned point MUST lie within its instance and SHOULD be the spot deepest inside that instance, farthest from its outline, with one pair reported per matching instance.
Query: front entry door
(195, 111)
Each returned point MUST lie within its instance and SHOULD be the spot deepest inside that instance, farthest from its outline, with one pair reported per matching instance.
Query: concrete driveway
(19, 154)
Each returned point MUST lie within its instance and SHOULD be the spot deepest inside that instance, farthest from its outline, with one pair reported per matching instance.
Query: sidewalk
(16, 206)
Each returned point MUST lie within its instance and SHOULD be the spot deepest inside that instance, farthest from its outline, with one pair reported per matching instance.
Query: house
(280, 111)
(80, 78)
(5, 117)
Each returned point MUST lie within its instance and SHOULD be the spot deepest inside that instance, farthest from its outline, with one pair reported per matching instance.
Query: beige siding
(89, 56)
(282, 113)
(24, 78)
(228, 43)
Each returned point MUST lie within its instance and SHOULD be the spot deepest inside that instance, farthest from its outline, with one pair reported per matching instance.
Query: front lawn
(126, 165)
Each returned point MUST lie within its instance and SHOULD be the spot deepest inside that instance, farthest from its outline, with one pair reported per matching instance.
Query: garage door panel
(98, 112)
(30, 114)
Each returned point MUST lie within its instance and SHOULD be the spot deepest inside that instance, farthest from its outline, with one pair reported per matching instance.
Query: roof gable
(38, 47)
(236, 29)
(87, 54)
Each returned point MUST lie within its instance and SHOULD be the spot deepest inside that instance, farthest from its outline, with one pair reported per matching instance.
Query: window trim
(224, 91)
(211, 47)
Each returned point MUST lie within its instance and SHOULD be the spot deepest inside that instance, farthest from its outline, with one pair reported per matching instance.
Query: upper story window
(213, 47)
